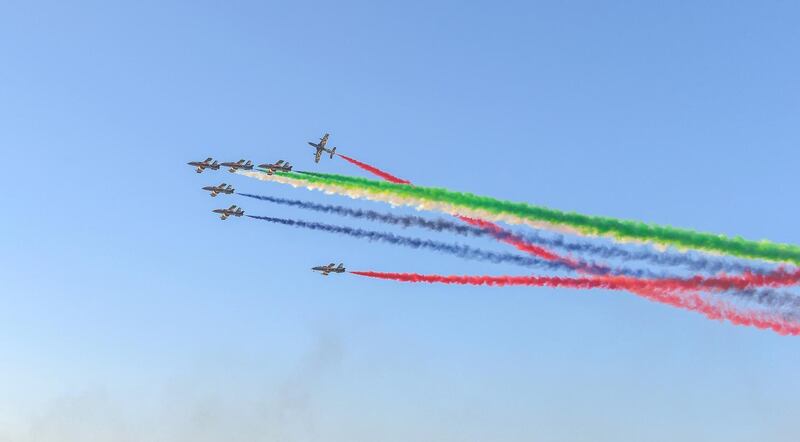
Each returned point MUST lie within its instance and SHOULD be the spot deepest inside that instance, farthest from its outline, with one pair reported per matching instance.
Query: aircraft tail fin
(333, 151)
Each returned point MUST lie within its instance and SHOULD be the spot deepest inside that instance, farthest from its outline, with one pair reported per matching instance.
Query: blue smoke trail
(416, 243)
(439, 225)
(692, 262)
(454, 249)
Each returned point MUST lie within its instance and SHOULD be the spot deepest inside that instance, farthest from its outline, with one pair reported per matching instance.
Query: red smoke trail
(779, 278)
(516, 242)
(374, 170)
(715, 310)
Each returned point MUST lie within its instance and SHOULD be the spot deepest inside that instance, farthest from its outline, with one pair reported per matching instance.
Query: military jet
(241, 164)
(321, 148)
(278, 166)
(230, 211)
(222, 188)
(330, 268)
(202, 165)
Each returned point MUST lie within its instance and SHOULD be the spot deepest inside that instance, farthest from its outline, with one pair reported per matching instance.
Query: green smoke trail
(621, 229)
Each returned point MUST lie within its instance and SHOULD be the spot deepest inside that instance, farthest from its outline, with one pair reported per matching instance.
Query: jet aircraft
(222, 188)
(241, 164)
(278, 166)
(230, 211)
(330, 268)
(321, 148)
(202, 165)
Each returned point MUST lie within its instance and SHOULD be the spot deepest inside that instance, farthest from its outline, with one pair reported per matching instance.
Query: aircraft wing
(323, 140)
(317, 155)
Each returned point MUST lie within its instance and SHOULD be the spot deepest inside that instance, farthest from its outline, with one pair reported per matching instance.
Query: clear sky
(130, 312)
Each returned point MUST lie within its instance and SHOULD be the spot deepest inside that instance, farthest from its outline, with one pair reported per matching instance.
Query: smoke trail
(768, 297)
(712, 310)
(524, 242)
(516, 242)
(416, 243)
(445, 225)
(764, 296)
(298, 183)
(695, 263)
(525, 246)
(621, 229)
(496, 231)
(438, 225)
(329, 188)
(779, 278)
(375, 171)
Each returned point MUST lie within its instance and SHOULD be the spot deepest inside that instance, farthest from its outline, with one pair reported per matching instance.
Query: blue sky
(131, 313)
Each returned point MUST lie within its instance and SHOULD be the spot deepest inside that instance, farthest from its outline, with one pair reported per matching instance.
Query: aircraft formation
(723, 278)
(269, 169)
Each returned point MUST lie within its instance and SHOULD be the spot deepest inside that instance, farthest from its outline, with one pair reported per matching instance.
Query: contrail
(416, 243)
(712, 310)
(374, 170)
(498, 210)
